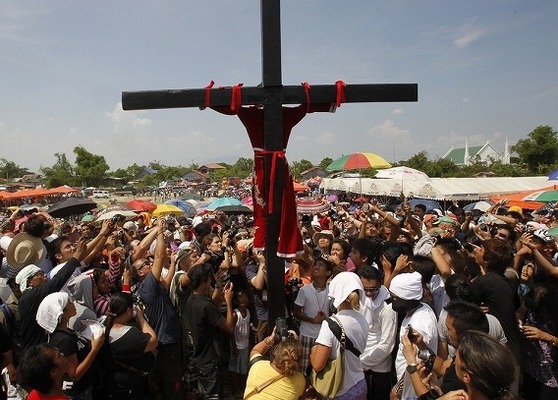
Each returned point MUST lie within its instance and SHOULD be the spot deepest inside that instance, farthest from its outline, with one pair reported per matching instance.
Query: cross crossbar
(322, 94)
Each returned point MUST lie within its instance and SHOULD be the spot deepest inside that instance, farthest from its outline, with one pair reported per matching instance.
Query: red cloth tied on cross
(208, 93)
(340, 93)
(236, 97)
(306, 87)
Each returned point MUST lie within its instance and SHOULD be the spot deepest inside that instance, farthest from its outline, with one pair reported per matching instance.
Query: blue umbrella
(430, 204)
(185, 206)
(223, 201)
(553, 175)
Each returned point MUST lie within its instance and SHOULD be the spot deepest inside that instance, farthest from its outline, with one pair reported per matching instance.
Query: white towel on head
(24, 274)
(407, 286)
(342, 285)
(50, 310)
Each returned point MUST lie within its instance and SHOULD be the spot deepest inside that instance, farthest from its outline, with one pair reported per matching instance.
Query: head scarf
(50, 310)
(23, 276)
(407, 286)
(342, 285)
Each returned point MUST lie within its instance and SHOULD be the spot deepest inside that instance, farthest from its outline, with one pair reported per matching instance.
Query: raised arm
(160, 254)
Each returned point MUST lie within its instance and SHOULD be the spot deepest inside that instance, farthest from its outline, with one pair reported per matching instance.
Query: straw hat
(24, 249)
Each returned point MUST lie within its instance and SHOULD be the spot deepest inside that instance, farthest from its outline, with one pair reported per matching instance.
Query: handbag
(328, 381)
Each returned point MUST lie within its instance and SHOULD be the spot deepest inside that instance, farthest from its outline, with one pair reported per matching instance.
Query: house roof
(198, 173)
(309, 170)
(213, 166)
(457, 156)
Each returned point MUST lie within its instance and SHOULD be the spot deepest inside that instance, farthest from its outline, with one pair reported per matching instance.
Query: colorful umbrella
(543, 196)
(141, 205)
(166, 209)
(358, 161)
(308, 205)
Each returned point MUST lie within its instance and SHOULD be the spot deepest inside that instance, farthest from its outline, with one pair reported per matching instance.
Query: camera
(215, 259)
(294, 284)
(118, 218)
(333, 215)
(428, 357)
(282, 331)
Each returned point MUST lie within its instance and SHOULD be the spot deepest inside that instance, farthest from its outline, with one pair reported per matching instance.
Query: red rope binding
(306, 86)
(208, 94)
(236, 98)
(340, 98)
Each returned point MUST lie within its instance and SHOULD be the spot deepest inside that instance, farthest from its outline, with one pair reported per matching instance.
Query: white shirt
(356, 328)
(312, 302)
(424, 321)
(382, 327)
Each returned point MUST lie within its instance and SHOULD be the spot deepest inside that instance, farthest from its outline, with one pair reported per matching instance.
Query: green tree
(539, 149)
(91, 169)
(325, 162)
(61, 173)
(300, 166)
(243, 167)
(10, 170)
(418, 161)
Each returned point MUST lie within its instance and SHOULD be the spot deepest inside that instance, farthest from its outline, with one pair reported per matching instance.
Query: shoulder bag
(261, 387)
(328, 381)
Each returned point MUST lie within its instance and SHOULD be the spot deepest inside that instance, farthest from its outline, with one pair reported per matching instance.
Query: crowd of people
(420, 303)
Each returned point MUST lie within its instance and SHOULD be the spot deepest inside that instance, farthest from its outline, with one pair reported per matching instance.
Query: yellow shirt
(286, 388)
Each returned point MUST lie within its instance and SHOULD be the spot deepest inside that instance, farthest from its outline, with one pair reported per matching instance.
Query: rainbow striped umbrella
(358, 161)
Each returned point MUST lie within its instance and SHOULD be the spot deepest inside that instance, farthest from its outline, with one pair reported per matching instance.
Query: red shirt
(35, 395)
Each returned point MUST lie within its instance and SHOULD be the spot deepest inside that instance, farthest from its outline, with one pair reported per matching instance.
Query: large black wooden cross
(271, 94)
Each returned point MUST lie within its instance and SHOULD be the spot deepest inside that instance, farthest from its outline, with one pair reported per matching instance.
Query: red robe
(290, 239)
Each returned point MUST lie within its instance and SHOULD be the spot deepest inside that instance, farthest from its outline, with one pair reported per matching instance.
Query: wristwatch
(412, 368)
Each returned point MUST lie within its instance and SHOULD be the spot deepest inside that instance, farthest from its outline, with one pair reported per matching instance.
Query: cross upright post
(271, 95)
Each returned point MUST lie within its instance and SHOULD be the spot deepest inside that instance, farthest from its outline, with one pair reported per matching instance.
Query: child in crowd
(240, 344)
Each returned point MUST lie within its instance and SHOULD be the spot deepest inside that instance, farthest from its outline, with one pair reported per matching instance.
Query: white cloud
(398, 111)
(125, 120)
(388, 131)
(326, 138)
(469, 35)
(465, 100)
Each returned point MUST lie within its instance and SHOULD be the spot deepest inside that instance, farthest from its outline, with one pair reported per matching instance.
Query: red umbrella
(308, 205)
(141, 205)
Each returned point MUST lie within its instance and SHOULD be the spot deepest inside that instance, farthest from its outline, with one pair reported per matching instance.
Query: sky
(486, 71)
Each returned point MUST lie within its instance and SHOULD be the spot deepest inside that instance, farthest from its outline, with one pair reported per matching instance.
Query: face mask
(403, 306)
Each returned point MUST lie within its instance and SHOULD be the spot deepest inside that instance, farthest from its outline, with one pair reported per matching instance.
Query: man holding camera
(406, 294)
(162, 315)
(203, 318)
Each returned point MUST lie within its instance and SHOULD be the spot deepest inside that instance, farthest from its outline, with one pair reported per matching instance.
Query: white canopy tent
(437, 188)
